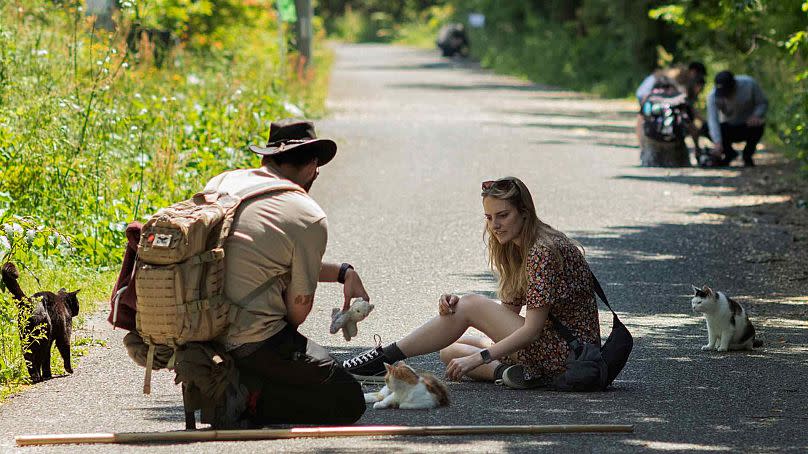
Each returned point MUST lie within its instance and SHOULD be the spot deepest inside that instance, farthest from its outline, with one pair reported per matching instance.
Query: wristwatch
(486, 356)
(342, 270)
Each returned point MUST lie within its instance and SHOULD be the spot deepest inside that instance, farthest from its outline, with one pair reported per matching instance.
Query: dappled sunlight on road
(785, 323)
(648, 233)
(675, 446)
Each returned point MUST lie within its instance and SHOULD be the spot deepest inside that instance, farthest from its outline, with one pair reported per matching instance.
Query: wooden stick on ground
(310, 432)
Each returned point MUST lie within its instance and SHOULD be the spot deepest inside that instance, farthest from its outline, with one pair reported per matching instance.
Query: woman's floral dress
(567, 288)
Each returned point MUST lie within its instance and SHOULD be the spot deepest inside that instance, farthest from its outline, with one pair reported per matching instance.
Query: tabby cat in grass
(406, 389)
(728, 327)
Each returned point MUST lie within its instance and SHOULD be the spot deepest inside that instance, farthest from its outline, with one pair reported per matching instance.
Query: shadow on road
(480, 87)
(168, 411)
(741, 249)
(416, 67)
(577, 113)
(671, 389)
(705, 181)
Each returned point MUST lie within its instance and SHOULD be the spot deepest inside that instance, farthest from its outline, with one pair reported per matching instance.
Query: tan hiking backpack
(179, 274)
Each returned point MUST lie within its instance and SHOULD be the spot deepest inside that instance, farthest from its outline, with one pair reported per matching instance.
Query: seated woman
(539, 267)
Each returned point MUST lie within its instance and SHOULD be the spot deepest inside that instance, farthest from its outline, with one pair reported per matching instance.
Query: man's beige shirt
(278, 234)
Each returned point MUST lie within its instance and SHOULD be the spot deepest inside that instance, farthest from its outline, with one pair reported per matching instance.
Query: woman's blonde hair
(510, 260)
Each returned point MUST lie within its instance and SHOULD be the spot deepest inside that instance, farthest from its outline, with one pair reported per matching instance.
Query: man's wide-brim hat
(295, 136)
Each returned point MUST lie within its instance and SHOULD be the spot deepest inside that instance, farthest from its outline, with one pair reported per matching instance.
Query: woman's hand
(447, 303)
(459, 367)
(353, 288)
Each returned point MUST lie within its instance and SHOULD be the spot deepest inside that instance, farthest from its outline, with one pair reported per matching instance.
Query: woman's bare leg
(488, 316)
(468, 345)
(475, 341)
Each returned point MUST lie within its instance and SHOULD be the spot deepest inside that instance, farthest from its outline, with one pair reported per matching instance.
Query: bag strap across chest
(572, 340)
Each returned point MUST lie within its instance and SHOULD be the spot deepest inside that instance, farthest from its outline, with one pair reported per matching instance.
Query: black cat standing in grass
(50, 320)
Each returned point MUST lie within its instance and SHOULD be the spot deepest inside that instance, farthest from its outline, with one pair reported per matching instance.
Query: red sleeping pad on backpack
(123, 302)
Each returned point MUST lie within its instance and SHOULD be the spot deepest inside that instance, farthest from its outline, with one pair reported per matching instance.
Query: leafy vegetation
(608, 46)
(414, 22)
(558, 41)
(94, 134)
(767, 39)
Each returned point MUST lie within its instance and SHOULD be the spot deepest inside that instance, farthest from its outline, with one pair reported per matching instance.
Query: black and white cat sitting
(728, 327)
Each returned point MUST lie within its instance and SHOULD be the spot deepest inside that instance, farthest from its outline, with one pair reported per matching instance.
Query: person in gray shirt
(736, 112)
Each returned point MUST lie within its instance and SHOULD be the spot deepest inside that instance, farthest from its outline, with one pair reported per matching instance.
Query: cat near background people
(50, 321)
(728, 327)
(406, 389)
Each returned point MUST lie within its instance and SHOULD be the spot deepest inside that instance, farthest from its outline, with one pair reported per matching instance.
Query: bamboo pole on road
(312, 432)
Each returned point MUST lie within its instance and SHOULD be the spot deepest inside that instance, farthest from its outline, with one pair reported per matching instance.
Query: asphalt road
(417, 134)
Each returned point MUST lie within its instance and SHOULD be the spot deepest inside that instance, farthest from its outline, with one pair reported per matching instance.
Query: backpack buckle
(208, 196)
(208, 256)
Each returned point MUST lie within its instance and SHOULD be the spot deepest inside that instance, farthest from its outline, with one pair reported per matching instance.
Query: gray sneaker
(514, 378)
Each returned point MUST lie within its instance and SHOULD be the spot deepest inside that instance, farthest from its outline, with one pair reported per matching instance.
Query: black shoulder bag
(592, 367)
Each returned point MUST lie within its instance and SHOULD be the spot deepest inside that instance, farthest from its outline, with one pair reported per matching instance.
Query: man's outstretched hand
(754, 120)
(353, 288)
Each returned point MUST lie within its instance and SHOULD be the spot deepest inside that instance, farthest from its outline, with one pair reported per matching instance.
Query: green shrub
(607, 47)
(357, 26)
(599, 46)
(422, 28)
(767, 39)
(409, 21)
(45, 259)
(93, 136)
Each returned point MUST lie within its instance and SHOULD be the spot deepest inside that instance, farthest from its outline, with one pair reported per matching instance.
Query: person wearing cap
(283, 235)
(736, 112)
(688, 80)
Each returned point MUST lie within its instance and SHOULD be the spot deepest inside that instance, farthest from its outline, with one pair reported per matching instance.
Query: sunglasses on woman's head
(501, 185)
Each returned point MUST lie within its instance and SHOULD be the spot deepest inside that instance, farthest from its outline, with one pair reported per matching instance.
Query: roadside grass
(94, 289)
(95, 134)
(418, 34)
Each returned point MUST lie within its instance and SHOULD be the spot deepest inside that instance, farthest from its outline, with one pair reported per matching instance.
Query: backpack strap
(149, 365)
(265, 187)
(274, 185)
(573, 342)
(239, 305)
(601, 294)
(565, 332)
(117, 300)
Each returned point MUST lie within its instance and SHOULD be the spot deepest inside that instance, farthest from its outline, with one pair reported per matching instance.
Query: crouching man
(273, 259)
(736, 112)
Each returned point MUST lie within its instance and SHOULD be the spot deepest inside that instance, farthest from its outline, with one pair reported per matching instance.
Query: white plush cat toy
(347, 320)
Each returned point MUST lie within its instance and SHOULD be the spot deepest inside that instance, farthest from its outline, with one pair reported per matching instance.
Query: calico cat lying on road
(728, 327)
(406, 389)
